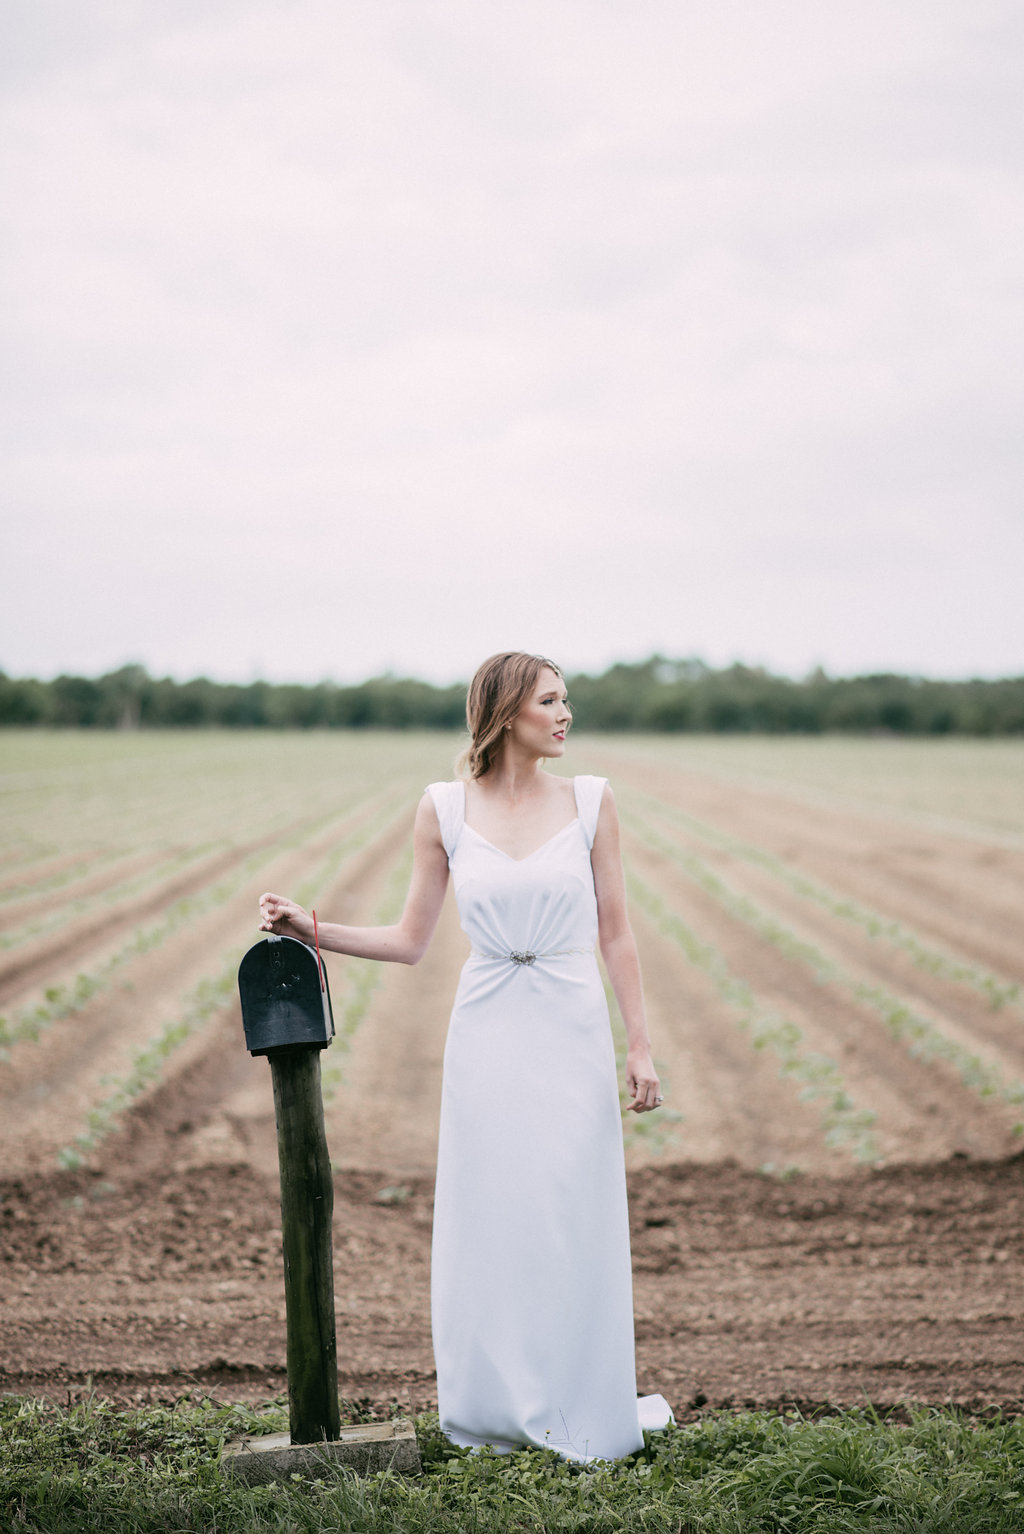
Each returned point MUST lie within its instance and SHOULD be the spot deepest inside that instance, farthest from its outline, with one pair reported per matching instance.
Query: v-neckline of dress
(501, 851)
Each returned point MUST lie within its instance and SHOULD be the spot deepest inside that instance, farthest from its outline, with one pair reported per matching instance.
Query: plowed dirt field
(828, 1212)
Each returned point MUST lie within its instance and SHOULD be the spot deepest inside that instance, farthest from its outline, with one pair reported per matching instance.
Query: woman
(531, 1283)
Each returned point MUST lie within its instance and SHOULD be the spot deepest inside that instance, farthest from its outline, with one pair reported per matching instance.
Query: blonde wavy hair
(496, 694)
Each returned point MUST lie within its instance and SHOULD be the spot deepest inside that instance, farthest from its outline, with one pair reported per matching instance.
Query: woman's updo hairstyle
(496, 694)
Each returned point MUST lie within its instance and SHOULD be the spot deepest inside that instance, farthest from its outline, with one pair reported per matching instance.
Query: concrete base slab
(365, 1448)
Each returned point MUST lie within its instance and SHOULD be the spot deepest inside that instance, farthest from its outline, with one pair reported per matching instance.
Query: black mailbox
(286, 1000)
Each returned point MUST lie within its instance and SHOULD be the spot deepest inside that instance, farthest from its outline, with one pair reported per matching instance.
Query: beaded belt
(518, 957)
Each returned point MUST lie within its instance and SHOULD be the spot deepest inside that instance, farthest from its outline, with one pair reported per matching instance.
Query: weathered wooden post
(307, 1206)
(286, 1012)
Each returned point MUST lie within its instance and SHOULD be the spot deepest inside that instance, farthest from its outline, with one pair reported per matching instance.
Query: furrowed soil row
(149, 1063)
(39, 874)
(186, 788)
(385, 1111)
(180, 898)
(964, 893)
(363, 976)
(943, 964)
(984, 1072)
(209, 996)
(922, 1112)
(965, 790)
(56, 1089)
(962, 1005)
(238, 1122)
(722, 1090)
(61, 1001)
(646, 1136)
(844, 1124)
(100, 891)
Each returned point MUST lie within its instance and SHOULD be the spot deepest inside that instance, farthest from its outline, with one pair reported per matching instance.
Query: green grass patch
(92, 1467)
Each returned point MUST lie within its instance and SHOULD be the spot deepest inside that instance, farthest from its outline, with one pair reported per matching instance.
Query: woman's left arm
(618, 949)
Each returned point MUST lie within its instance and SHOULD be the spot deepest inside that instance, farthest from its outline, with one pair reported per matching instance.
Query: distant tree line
(656, 694)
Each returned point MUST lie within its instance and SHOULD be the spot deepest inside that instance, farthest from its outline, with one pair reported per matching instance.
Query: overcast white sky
(345, 335)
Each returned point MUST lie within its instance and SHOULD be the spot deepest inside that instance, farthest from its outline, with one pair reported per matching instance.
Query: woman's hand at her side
(642, 1082)
(284, 918)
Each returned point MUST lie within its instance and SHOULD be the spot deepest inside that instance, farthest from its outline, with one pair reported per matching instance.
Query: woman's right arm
(406, 941)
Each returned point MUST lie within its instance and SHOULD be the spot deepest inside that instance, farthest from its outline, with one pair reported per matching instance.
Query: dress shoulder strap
(588, 793)
(450, 804)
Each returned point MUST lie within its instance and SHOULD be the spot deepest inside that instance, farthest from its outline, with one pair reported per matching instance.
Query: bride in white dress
(531, 1285)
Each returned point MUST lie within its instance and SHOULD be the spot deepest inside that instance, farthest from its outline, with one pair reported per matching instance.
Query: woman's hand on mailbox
(284, 918)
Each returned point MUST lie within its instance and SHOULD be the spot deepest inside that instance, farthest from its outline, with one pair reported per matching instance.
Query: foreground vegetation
(91, 1467)
(656, 694)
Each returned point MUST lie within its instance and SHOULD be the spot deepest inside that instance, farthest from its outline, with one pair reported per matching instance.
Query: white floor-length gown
(531, 1283)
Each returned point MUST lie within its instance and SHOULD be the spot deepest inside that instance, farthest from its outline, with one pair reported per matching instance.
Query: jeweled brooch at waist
(524, 956)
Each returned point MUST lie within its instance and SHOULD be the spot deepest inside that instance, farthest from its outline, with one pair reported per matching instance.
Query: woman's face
(543, 721)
